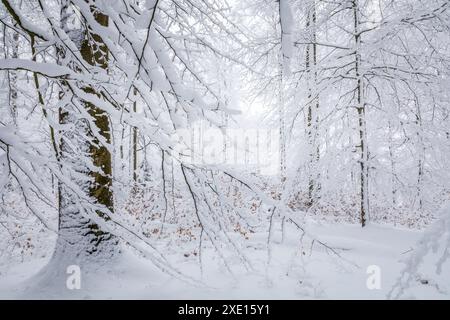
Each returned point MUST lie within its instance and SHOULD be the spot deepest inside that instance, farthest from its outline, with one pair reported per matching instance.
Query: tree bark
(313, 108)
(361, 110)
(95, 52)
(135, 142)
(79, 234)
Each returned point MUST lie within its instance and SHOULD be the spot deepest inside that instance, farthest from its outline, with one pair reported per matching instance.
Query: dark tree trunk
(94, 51)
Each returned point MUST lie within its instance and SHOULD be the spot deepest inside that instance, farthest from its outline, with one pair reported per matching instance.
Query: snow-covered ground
(295, 271)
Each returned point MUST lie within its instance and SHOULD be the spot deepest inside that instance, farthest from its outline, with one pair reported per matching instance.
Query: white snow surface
(294, 272)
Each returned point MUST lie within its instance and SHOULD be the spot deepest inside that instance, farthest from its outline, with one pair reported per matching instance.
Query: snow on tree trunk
(361, 110)
(312, 119)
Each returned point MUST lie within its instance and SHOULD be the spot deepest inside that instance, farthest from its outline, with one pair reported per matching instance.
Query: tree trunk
(75, 229)
(420, 153)
(81, 242)
(393, 171)
(95, 52)
(13, 78)
(360, 108)
(135, 142)
(281, 111)
(313, 108)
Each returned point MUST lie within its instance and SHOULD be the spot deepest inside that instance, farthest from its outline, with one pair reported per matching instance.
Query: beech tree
(88, 66)
(107, 108)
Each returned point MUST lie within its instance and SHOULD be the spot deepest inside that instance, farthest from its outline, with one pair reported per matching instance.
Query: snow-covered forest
(169, 149)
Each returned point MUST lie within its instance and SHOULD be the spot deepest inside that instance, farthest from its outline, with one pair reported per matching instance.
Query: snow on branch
(436, 239)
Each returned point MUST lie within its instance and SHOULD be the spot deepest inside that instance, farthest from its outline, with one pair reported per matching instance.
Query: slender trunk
(258, 159)
(225, 138)
(135, 142)
(281, 113)
(360, 108)
(164, 190)
(13, 78)
(421, 154)
(316, 103)
(44, 109)
(121, 152)
(313, 108)
(393, 170)
(12, 43)
(309, 115)
(282, 138)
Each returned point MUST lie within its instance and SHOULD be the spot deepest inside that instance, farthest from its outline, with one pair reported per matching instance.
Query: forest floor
(295, 272)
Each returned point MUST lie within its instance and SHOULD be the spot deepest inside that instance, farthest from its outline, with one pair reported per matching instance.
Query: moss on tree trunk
(95, 52)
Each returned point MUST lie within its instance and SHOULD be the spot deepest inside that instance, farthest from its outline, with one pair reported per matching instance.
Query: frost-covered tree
(91, 62)
(378, 68)
(105, 106)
